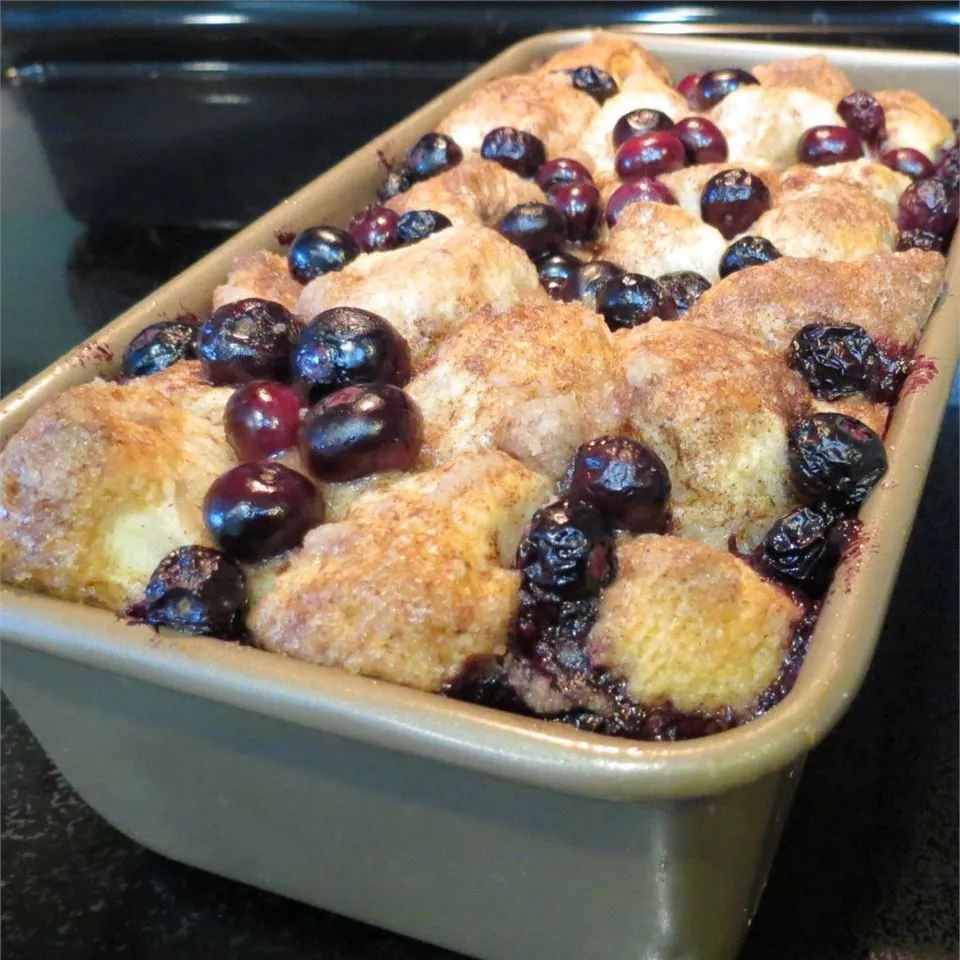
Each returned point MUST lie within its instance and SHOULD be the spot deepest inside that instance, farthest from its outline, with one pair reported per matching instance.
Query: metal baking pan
(494, 835)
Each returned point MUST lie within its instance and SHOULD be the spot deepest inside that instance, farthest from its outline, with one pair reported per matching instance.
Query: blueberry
(862, 113)
(684, 288)
(416, 225)
(799, 550)
(921, 240)
(712, 86)
(593, 275)
(432, 154)
(638, 122)
(196, 590)
(398, 181)
(594, 81)
(158, 346)
(836, 359)
(534, 227)
(732, 200)
(517, 150)
(319, 250)
(558, 274)
(747, 252)
(632, 299)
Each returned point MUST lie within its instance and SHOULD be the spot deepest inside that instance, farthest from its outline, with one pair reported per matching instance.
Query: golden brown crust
(474, 190)
(105, 479)
(885, 184)
(413, 581)
(912, 121)
(657, 238)
(535, 381)
(830, 219)
(889, 294)
(687, 184)
(546, 105)
(691, 626)
(814, 74)
(427, 290)
(619, 56)
(261, 274)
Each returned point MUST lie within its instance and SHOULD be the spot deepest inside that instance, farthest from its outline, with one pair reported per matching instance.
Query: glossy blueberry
(344, 346)
(374, 229)
(929, 205)
(799, 549)
(836, 359)
(568, 550)
(714, 85)
(594, 81)
(416, 225)
(861, 112)
(644, 188)
(561, 170)
(262, 419)
(626, 481)
(259, 510)
(820, 146)
(534, 227)
(398, 180)
(558, 276)
(580, 205)
(432, 154)
(592, 276)
(196, 590)
(361, 430)
(319, 250)
(684, 288)
(702, 140)
(245, 340)
(632, 299)
(158, 346)
(947, 167)
(747, 252)
(921, 240)
(908, 161)
(732, 200)
(835, 459)
(517, 150)
(638, 122)
(650, 155)
(687, 88)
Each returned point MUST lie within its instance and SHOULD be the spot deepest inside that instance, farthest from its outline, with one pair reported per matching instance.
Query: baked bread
(912, 121)
(814, 74)
(624, 59)
(262, 274)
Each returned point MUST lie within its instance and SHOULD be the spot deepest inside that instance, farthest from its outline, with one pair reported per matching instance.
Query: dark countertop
(867, 869)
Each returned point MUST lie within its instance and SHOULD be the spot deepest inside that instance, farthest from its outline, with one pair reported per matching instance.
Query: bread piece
(657, 238)
(535, 381)
(261, 274)
(830, 219)
(427, 290)
(105, 479)
(717, 410)
(413, 581)
(764, 123)
(620, 56)
(546, 105)
(473, 191)
(687, 184)
(688, 625)
(885, 184)
(813, 74)
(889, 294)
(913, 122)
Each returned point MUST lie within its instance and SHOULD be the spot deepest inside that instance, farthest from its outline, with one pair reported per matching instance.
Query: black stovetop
(135, 137)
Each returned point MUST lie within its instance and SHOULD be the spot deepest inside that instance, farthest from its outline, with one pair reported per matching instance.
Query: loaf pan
(494, 835)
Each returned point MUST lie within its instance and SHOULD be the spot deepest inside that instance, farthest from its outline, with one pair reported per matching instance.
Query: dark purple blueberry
(714, 85)
(747, 252)
(568, 550)
(417, 225)
(687, 88)
(626, 481)
(632, 299)
(732, 200)
(592, 276)
(644, 188)
(197, 590)
(928, 205)
(836, 359)
(908, 161)
(861, 112)
(361, 430)
(534, 227)
(580, 205)
(432, 154)
(921, 240)
(344, 346)
(246, 340)
(638, 122)
(684, 288)
(375, 229)
(319, 250)
(262, 419)
(702, 140)
(158, 346)
(835, 459)
(397, 181)
(594, 81)
(649, 155)
(514, 149)
(820, 146)
(561, 170)
(558, 276)
(259, 510)
(799, 550)
(947, 167)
